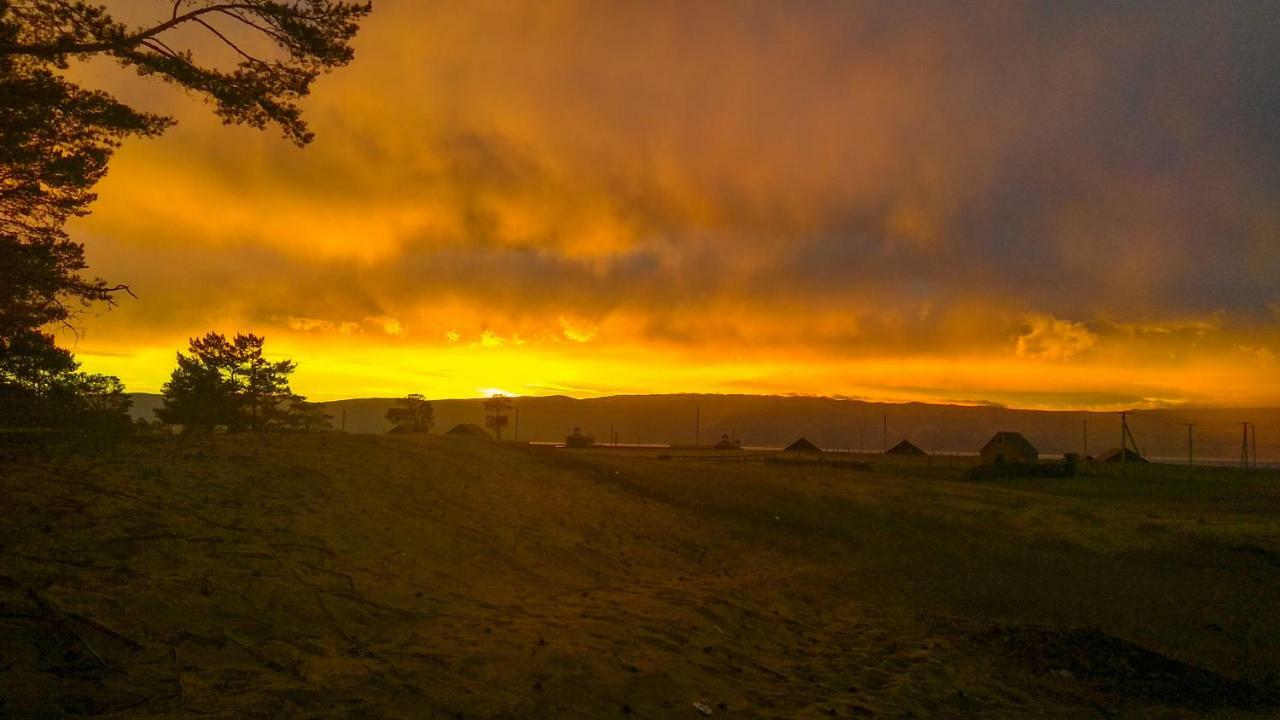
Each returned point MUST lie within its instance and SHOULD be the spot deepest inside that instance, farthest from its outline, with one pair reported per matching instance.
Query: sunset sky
(1039, 204)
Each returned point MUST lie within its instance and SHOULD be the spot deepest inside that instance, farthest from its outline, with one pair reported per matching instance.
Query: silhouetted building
(726, 444)
(1069, 463)
(1113, 456)
(905, 448)
(578, 440)
(469, 430)
(802, 445)
(1009, 447)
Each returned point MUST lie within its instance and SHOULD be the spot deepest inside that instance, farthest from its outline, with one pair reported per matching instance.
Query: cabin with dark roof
(1114, 455)
(469, 430)
(1008, 447)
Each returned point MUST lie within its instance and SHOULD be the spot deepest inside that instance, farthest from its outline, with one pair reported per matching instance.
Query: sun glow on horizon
(338, 366)
(611, 215)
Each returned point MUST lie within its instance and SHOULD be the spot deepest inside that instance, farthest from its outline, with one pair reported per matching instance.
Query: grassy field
(369, 577)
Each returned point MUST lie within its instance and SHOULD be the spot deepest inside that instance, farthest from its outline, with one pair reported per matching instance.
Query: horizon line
(805, 396)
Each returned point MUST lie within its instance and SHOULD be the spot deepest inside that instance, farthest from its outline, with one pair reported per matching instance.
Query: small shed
(1009, 447)
(1115, 455)
(906, 447)
(577, 440)
(469, 430)
(725, 443)
(802, 445)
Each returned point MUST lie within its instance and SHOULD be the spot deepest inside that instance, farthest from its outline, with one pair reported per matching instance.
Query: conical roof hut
(802, 445)
(905, 448)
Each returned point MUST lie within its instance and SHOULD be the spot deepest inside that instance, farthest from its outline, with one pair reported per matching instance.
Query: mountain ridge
(833, 423)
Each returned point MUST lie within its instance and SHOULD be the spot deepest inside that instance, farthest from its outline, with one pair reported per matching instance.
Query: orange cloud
(1011, 203)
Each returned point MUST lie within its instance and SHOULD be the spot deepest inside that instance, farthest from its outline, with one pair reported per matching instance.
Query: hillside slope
(346, 576)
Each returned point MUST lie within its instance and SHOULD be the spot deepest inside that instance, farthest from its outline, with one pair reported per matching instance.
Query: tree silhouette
(40, 386)
(228, 382)
(412, 413)
(495, 413)
(199, 396)
(37, 378)
(98, 402)
(309, 37)
(56, 137)
(307, 417)
(102, 394)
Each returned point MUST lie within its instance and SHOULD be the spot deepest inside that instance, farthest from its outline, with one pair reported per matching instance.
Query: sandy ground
(371, 577)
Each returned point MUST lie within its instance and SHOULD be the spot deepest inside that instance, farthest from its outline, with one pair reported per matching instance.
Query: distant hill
(776, 421)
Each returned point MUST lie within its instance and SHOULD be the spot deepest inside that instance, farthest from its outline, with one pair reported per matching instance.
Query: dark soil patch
(1118, 667)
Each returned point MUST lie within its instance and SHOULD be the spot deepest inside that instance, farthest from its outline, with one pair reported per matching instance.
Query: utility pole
(1124, 433)
(1253, 433)
(517, 431)
(886, 432)
(862, 448)
(1191, 457)
(1244, 446)
(697, 428)
(1086, 439)
(612, 442)
(344, 419)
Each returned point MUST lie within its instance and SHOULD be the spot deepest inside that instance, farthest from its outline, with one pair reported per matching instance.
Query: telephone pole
(1244, 446)
(697, 427)
(1085, 423)
(1124, 433)
(517, 431)
(886, 432)
(1253, 435)
(1191, 458)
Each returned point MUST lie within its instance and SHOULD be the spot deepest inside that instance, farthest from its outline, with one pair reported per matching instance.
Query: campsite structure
(469, 430)
(727, 443)
(906, 447)
(577, 440)
(802, 445)
(1008, 447)
(1115, 455)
